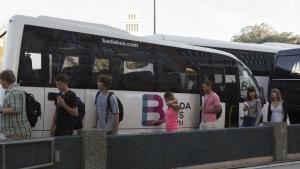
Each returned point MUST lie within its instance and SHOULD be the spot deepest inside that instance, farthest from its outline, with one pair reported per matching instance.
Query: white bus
(259, 58)
(37, 49)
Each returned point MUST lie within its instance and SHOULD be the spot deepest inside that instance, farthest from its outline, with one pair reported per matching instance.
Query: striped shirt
(15, 124)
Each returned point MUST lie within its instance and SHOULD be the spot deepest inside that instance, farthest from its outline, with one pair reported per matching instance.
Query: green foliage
(265, 33)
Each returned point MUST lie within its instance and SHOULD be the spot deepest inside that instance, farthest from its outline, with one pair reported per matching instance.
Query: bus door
(232, 97)
(217, 76)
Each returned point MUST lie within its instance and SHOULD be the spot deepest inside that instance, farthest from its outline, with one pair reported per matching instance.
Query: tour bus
(286, 77)
(259, 58)
(38, 48)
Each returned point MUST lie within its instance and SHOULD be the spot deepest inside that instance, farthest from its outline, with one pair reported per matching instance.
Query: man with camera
(66, 108)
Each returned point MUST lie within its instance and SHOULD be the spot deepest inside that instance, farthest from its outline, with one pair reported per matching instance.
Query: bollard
(94, 152)
(279, 140)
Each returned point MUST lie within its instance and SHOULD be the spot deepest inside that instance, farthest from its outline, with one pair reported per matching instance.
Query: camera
(52, 96)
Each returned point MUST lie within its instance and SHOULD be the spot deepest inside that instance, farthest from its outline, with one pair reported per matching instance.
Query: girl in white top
(277, 109)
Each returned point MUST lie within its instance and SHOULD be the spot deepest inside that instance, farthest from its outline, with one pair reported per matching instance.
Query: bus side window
(79, 66)
(139, 75)
(35, 63)
(30, 69)
(100, 66)
(174, 82)
(25, 69)
(72, 68)
(176, 71)
(218, 85)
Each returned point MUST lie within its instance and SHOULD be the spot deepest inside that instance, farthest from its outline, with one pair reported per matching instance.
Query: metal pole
(3, 157)
(154, 17)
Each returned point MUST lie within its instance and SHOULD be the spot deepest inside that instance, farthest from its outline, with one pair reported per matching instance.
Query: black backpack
(33, 109)
(81, 113)
(120, 105)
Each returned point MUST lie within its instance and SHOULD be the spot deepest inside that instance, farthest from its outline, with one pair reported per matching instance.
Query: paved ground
(287, 165)
(290, 165)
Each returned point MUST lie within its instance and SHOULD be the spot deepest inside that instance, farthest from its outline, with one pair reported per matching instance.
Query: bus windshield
(287, 67)
(246, 81)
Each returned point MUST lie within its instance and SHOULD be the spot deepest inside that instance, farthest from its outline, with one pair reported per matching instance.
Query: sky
(212, 19)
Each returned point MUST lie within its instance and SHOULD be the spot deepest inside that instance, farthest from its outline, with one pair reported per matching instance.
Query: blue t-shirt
(101, 109)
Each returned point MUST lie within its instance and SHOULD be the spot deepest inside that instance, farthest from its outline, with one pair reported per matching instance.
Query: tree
(265, 33)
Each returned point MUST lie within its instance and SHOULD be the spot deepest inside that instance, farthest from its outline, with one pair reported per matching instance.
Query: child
(171, 114)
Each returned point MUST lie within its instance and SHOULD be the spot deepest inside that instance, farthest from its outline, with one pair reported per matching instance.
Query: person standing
(253, 107)
(107, 108)
(66, 108)
(14, 122)
(171, 115)
(277, 111)
(210, 107)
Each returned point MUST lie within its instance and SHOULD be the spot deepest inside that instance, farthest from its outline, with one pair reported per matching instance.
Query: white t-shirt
(277, 113)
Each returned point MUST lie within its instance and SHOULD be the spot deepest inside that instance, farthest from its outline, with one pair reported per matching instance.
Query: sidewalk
(288, 165)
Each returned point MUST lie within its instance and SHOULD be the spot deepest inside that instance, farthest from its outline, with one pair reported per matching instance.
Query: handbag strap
(208, 97)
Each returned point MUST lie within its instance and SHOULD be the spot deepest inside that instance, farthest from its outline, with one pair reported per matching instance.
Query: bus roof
(220, 44)
(84, 24)
(103, 30)
(282, 45)
(289, 52)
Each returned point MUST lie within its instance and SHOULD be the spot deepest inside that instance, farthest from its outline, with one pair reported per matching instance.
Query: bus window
(260, 63)
(246, 81)
(100, 65)
(231, 75)
(230, 79)
(78, 64)
(182, 81)
(30, 68)
(2, 45)
(32, 65)
(36, 60)
(287, 67)
(138, 72)
(131, 66)
(218, 78)
(176, 70)
(70, 61)
(191, 78)
(135, 65)
(44, 54)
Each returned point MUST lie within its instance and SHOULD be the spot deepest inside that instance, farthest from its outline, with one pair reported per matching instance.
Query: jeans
(249, 121)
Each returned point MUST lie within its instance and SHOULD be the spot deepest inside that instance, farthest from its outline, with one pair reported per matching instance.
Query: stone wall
(171, 150)
(92, 149)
